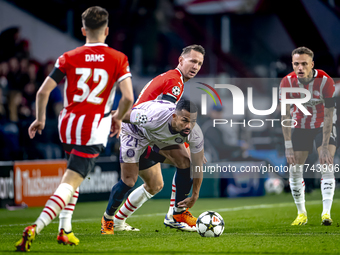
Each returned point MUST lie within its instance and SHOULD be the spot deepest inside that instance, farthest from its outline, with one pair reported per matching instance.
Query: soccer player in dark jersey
(84, 124)
(318, 127)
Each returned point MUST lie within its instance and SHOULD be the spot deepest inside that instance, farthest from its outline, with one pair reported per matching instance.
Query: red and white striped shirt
(91, 73)
(169, 83)
(321, 87)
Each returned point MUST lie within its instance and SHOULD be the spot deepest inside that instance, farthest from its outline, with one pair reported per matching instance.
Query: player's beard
(184, 134)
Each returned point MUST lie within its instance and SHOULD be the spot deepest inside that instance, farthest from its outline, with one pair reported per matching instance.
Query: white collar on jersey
(182, 76)
(95, 44)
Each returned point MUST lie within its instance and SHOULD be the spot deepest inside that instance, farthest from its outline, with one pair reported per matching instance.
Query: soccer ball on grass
(210, 224)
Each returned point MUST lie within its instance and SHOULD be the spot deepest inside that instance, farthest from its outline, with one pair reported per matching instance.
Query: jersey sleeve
(173, 89)
(196, 140)
(284, 84)
(124, 70)
(61, 63)
(329, 88)
(152, 114)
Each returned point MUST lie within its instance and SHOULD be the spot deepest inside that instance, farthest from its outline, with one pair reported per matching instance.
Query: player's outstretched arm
(41, 102)
(324, 155)
(125, 104)
(197, 160)
(287, 133)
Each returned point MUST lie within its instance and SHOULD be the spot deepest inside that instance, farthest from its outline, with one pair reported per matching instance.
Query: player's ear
(312, 64)
(106, 31)
(180, 60)
(83, 31)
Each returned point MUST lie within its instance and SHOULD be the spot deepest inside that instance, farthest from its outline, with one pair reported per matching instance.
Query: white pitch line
(240, 208)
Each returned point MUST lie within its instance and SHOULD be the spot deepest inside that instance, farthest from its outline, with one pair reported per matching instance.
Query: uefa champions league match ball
(210, 224)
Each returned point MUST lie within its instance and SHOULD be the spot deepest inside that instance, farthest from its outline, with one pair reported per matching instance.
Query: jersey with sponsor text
(169, 83)
(91, 73)
(321, 87)
(152, 119)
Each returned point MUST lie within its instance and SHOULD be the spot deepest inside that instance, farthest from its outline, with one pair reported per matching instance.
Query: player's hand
(187, 203)
(116, 126)
(205, 160)
(36, 126)
(325, 156)
(290, 156)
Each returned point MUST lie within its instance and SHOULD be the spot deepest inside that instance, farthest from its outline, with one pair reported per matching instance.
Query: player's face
(184, 122)
(190, 64)
(303, 65)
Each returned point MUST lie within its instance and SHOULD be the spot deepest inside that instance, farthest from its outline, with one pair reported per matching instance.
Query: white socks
(135, 200)
(54, 205)
(65, 216)
(297, 187)
(327, 191)
(173, 198)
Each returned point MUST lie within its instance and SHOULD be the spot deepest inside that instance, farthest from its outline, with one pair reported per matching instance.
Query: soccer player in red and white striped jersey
(318, 126)
(84, 124)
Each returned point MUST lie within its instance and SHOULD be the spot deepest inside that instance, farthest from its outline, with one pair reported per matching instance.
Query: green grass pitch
(258, 225)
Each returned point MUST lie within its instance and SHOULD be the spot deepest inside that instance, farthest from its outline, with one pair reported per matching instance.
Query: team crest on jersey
(130, 153)
(176, 91)
(178, 140)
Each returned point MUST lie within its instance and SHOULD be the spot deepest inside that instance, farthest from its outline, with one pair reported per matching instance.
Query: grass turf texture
(259, 225)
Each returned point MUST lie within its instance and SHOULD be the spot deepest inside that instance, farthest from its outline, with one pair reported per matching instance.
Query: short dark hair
(303, 50)
(194, 47)
(95, 17)
(187, 105)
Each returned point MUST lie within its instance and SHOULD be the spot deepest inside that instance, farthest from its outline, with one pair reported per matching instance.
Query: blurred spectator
(12, 45)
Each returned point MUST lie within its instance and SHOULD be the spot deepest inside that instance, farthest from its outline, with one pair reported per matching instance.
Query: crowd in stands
(20, 78)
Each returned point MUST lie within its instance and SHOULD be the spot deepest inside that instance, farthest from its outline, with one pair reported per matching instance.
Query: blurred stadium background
(242, 38)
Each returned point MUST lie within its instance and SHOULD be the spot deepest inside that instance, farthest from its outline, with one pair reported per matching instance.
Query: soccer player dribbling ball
(318, 127)
(84, 124)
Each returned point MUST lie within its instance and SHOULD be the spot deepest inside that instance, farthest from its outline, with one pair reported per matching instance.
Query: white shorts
(132, 145)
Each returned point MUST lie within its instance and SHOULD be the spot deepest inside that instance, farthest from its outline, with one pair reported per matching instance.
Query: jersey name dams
(94, 57)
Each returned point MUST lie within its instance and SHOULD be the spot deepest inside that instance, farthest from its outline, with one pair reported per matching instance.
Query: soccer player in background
(160, 124)
(167, 86)
(318, 127)
(84, 124)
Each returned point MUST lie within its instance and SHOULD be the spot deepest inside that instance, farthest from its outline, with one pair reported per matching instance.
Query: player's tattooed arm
(126, 118)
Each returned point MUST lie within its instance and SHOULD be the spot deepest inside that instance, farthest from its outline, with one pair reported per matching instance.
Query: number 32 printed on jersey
(81, 84)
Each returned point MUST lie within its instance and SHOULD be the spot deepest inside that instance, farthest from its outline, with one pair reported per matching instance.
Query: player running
(84, 124)
(167, 86)
(164, 126)
(318, 127)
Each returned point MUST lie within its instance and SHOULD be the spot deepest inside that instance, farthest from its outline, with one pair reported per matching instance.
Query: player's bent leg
(129, 175)
(153, 183)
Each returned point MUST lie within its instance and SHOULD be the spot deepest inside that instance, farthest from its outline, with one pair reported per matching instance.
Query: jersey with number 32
(91, 73)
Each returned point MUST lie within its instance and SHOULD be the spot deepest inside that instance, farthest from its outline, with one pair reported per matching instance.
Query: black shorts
(150, 158)
(82, 158)
(303, 139)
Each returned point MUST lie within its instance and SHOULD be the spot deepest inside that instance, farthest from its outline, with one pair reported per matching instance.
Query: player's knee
(183, 163)
(129, 180)
(155, 188)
